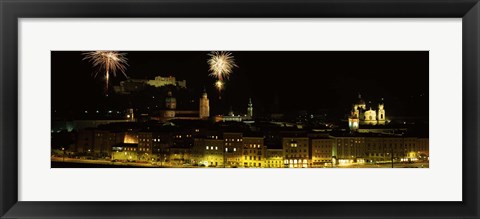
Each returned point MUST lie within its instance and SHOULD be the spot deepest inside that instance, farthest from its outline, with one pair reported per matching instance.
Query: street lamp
(63, 150)
(391, 155)
(225, 157)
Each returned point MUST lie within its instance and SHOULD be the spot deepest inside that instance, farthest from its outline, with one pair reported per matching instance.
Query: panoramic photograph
(239, 109)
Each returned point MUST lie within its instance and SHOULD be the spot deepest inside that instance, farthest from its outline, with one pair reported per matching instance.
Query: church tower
(381, 113)
(204, 111)
(171, 105)
(250, 108)
(170, 101)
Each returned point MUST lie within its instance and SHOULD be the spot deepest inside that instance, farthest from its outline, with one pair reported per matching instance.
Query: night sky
(294, 80)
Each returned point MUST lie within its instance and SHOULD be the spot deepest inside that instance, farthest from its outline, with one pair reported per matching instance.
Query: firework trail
(109, 61)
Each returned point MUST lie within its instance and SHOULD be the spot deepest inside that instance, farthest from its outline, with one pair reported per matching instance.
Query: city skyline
(240, 109)
(273, 79)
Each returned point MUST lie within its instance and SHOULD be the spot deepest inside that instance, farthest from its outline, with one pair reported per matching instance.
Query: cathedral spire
(250, 108)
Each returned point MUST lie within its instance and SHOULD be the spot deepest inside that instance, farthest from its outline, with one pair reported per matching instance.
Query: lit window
(234, 149)
(207, 147)
(216, 148)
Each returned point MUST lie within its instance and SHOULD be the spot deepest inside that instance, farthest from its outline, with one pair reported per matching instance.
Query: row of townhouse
(373, 149)
(233, 150)
(102, 142)
(237, 149)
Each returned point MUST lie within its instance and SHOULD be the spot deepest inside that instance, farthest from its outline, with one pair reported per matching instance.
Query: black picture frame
(12, 10)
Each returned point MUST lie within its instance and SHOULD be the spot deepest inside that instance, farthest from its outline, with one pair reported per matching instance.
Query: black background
(294, 80)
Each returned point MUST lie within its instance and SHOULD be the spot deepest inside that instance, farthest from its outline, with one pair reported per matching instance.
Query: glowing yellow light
(130, 139)
(219, 85)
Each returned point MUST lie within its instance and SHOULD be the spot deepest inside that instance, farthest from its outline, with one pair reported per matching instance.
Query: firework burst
(221, 64)
(109, 61)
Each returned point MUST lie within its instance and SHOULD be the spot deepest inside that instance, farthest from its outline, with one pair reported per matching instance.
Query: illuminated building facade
(161, 142)
(208, 144)
(134, 85)
(182, 139)
(253, 151)
(274, 158)
(378, 149)
(398, 149)
(160, 81)
(296, 151)
(124, 152)
(384, 149)
(145, 145)
(361, 116)
(178, 156)
(348, 150)
(233, 148)
(231, 117)
(171, 112)
(208, 152)
(321, 151)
